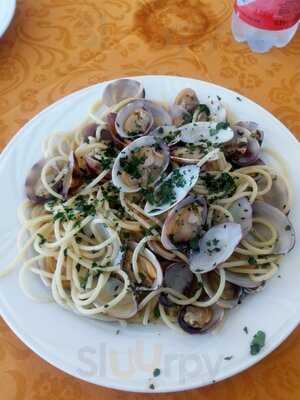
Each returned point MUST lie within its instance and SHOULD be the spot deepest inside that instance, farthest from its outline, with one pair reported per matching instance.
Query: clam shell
(254, 128)
(138, 143)
(218, 315)
(199, 200)
(159, 275)
(179, 115)
(241, 280)
(241, 211)
(187, 99)
(285, 230)
(159, 116)
(197, 132)
(126, 308)
(221, 302)
(217, 110)
(215, 247)
(252, 153)
(278, 195)
(122, 89)
(190, 174)
(170, 134)
(34, 188)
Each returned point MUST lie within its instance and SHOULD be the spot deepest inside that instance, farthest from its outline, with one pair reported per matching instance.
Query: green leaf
(257, 343)
(156, 372)
(252, 260)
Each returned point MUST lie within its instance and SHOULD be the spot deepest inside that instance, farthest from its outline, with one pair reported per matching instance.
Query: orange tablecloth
(54, 47)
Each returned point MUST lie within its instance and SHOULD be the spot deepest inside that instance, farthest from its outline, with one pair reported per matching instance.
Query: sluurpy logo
(139, 360)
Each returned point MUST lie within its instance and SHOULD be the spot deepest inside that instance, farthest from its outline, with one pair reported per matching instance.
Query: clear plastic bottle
(265, 23)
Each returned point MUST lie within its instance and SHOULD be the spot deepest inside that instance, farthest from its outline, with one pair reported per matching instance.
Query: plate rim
(282, 334)
(11, 9)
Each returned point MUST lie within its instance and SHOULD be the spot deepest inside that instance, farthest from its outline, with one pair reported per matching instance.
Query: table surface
(55, 47)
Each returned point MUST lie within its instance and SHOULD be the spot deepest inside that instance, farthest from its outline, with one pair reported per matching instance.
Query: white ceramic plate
(92, 350)
(7, 10)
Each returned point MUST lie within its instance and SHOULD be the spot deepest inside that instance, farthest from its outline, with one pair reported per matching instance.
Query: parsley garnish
(288, 228)
(203, 108)
(131, 166)
(257, 343)
(222, 125)
(252, 260)
(228, 358)
(245, 329)
(151, 386)
(148, 195)
(156, 372)
(193, 244)
(156, 312)
(222, 184)
(42, 239)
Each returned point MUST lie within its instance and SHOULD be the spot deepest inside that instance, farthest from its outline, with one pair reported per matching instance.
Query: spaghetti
(119, 231)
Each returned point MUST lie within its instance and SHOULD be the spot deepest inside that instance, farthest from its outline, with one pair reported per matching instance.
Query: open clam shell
(195, 320)
(282, 224)
(122, 89)
(140, 164)
(126, 308)
(254, 128)
(180, 278)
(187, 99)
(170, 134)
(179, 115)
(215, 247)
(241, 280)
(35, 190)
(150, 271)
(184, 222)
(241, 210)
(217, 110)
(231, 295)
(177, 185)
(199, 132)
(139, 117)
(279, 194)
(243, 149)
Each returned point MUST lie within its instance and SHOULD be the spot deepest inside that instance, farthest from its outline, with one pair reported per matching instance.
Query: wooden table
(54, 47)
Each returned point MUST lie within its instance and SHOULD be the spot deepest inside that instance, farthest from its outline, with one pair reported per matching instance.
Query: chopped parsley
(252, 260)
(156, 372)
(257, 343)
(228, 358)
(193, 244)
(42, 239)
(245, 329)
(212, 246)
(107, 156)
(65, 252)
(84, 208)
(111, 194)
(131, 165)
(156, 312)
(288, 228)
(222, 125)
(60, 215)
(83, 280)
(148, 195)
(171, 136)
(238, 98)
(203, 108)
(219, 185)
(165, 192)
(151, 386)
